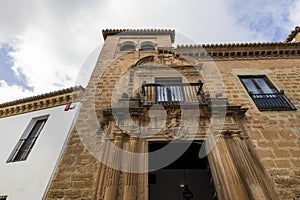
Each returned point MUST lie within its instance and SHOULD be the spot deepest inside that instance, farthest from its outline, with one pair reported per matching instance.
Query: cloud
(7, 73)
(50, 42)
(51, 38)
(18, 92)
(269, 20)
(294, 15)
(201, 21)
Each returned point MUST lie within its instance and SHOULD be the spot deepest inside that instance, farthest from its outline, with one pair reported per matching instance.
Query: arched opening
(128, 46)
(147, 47)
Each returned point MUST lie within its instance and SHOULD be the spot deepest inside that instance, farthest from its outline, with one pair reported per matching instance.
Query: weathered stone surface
(257, 158)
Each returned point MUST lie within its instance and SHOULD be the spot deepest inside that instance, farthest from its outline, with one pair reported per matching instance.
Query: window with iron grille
(28, 139)
(265, 95)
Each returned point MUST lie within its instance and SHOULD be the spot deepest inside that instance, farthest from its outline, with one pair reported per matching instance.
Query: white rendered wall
(28, 180)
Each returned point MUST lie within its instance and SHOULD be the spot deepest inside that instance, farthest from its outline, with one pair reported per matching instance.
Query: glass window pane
(147, 47)
(250, 86)
(127, 47)
(264, 86)
(25, 145)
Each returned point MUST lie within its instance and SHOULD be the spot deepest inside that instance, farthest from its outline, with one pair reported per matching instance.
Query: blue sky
(43, 43)
(6, 63)
(7, 73)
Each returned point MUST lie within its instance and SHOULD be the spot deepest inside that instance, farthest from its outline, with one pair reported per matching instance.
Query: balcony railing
(272, 101)
(172, 94)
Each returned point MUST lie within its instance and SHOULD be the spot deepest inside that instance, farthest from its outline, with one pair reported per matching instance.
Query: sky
(44, 43)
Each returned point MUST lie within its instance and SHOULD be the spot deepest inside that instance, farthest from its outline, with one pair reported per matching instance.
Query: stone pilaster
(130, 188)
(227, 180)
(113, 174)
(234, 171)
(244, 165)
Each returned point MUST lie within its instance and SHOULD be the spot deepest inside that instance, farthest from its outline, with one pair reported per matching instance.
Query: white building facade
(33, 134)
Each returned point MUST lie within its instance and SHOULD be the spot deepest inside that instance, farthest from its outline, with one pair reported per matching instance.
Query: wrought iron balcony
(272, 101)
(173, 94)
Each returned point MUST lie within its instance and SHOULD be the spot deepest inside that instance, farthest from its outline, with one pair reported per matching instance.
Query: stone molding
(39, 102)
(293, 34)
(246, 51)
(111, 32)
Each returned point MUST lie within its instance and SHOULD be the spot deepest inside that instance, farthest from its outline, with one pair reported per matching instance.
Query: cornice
(278, 50)
(111, 32)
(230, 45)
(293, 34)
(39, 102)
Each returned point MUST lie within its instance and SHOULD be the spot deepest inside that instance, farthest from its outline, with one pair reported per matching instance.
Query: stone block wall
(275, 135)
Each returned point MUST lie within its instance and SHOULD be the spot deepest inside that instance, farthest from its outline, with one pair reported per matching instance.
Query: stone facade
(253, 154)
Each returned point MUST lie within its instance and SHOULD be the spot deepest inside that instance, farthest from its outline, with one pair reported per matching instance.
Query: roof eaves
(111, 32)
(41, 96)
(293, 34)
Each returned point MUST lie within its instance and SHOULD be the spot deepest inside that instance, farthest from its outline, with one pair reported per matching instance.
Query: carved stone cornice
(220, 106)
(111, 32)
(39, 102)
(276, 50)
(293, 34)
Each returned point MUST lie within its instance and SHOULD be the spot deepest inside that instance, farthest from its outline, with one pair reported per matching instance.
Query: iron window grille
(264, 94)
(28, 139)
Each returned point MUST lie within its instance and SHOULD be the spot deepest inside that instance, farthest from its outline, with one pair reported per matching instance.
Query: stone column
(115, 158)
(233, 169)
(227, 180)
(245, 166)
(142, 183)
(130, 185)
(102, 168)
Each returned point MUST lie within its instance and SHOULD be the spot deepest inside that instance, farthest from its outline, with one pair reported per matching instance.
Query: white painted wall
(28, 180)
